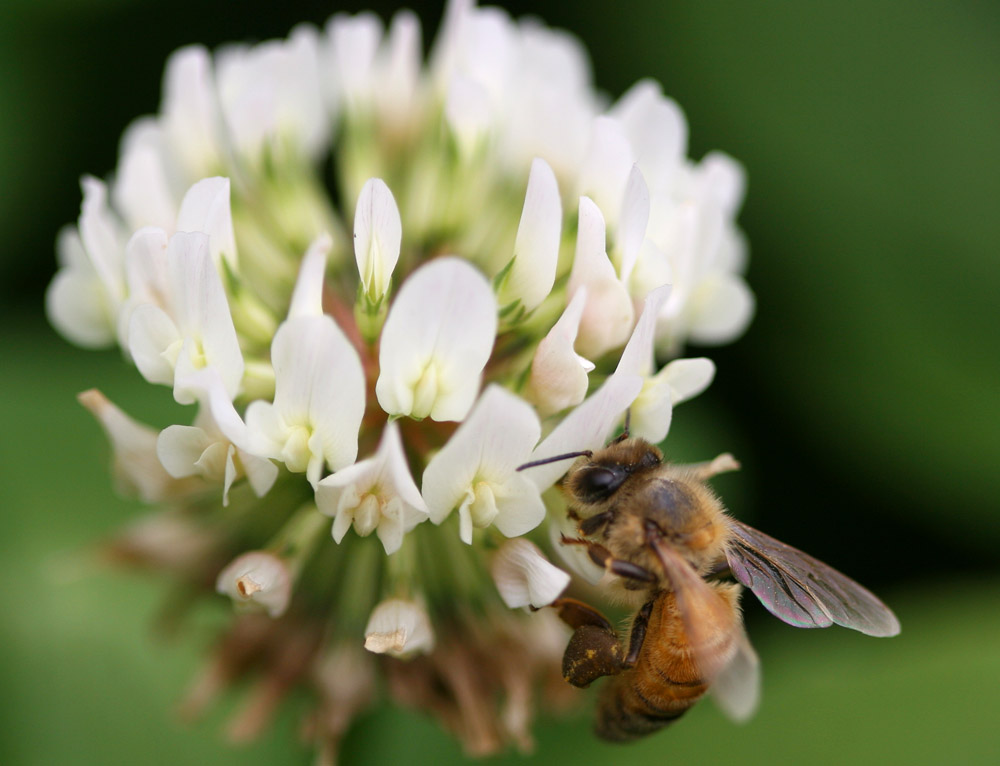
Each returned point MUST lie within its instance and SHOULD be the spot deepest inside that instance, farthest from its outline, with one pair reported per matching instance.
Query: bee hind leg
(638, 634)
(594, 650)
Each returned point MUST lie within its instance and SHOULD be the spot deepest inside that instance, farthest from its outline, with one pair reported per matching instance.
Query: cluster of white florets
(521, 257)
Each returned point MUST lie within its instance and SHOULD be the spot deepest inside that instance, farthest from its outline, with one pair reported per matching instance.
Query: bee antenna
(628, 424)
(555, 459)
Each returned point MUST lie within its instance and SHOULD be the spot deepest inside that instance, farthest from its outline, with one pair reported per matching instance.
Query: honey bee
(668, 537)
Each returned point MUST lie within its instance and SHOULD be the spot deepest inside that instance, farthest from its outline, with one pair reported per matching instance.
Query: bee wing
(736, 689)
(708, 618)
(801, 590)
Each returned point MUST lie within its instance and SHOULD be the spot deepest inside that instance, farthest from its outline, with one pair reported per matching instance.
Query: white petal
(307, 298)
(378, 231)
(607, 165)
(151, 335)
(205, 208)
(354, 43)
(585, 428)
(76, 307)
(190, 112)
(498, 436)
(536, 248)
(103, 238)
(399, 70)
(637, 357)
(271, 97)
(179, 448)
(436, 341)
(468, 112)
(524, 577)
(257, 578)
(608, 315)
(142, 190)
(558, 374)
(722, 307)
(201, 311)
(652, 411)
(396, 468)
(726, 179)
(319, 384)
(519, 506)
(399, 628)
(688, 377)
(260, 472)
(146, 266)
(656, 130)
(632, 227)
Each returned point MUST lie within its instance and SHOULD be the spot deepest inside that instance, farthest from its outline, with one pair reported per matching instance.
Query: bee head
(593, 480)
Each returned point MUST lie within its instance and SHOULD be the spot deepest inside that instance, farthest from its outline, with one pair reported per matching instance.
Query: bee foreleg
(638, 634)
(603, 558)
(594, 650)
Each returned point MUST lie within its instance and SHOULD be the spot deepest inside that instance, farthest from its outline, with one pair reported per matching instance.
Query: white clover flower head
(500, 267)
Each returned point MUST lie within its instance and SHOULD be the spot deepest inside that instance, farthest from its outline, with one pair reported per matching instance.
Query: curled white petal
(436, 341)
(206, 208)
(632, 227)
(558, 376)
(257, 579)
(524, 577)
(378, 232)
(536, 248)
(307, 297)
(399, 628)
(609, 314)
(637, 357)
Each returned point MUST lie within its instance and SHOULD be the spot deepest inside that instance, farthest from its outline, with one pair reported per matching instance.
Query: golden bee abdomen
(664, 683)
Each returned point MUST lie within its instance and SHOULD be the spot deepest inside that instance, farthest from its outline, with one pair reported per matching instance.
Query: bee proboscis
(668, 537)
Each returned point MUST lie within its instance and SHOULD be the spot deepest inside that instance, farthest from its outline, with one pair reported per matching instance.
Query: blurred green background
(864, 401)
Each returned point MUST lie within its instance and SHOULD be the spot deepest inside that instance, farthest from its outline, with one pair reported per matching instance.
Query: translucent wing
(801, 590)
(736, 689)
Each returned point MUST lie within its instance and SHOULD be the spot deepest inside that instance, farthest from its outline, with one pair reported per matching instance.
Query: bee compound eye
(600, 481)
